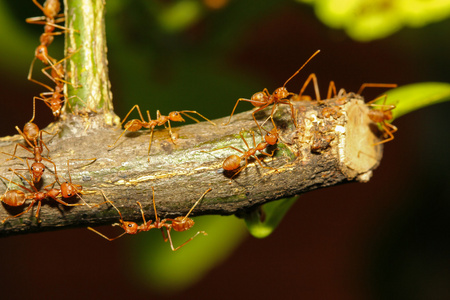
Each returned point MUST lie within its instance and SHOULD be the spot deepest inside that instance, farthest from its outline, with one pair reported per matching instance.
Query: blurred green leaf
(18, 45)
(411, 97)
(170, 271)
(180, 15)
(366, 20)
(264, 220)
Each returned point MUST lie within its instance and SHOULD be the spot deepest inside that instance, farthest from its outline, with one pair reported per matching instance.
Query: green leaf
(170, 271)
(263, 221)
(411, 97)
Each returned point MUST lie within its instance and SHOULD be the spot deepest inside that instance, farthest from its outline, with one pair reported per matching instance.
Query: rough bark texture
(331, 144)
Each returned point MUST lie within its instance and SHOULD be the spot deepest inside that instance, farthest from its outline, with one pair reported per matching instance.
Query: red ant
(31, 131)
(50, 10)
(264, 99)
(175, 116)
(177, 224)
(233, 162)
(55, 98)
(37, 168)
(17, 197)
(381, 116)
(69, 189)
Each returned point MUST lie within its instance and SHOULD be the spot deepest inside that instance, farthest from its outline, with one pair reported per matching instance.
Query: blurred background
(388, 238)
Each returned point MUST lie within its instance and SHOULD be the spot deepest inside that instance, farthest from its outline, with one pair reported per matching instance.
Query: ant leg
(331, 89)
(54, 165)
(258, 110)
(29, 77)
(195, 204)
(389, 132)
(175, 249)
(237, 102)
(376, 85)
(312, 77)
(24, 212)
(170, 132)
(241, 168)
(234, 148)
(242, 137)
(127, 128)
(55, 68)
(104, 236)
(140, 114)
(184, 112)
(15, 150)
(288, 102)
(311, 57)
(150, 142)
(112, 146)
(13, 155)
(154, 204)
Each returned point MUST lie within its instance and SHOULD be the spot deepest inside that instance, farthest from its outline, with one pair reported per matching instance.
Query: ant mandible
(264, 99)
(177, 224)
(136, 124)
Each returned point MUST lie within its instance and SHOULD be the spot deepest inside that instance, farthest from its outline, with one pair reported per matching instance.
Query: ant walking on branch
(233, 162)
(264, 99)
(175, 116)
(177, 224)
(33, 138)
(17, 198)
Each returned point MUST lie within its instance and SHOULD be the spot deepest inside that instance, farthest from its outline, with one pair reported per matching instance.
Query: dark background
(384, 239)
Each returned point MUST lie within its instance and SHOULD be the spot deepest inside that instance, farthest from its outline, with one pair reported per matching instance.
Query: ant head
(129, 227)
(232, 162)
(41, 53)
(258, 99)
(281, 93)
(271, 137)
(37, 169)
(176, 116)
(55, 106)
(31, 131)
(69, 189)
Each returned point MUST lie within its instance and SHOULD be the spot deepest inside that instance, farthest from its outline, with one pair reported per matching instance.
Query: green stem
(89, 89)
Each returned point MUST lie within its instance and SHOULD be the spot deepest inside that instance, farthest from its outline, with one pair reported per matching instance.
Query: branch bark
(330, 144)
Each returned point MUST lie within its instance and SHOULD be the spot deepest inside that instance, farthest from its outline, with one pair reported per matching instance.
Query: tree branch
(181, 172)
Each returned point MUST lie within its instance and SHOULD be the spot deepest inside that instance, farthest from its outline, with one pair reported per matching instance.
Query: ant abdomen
(14, 198)
(232, 162)
(182, 224)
